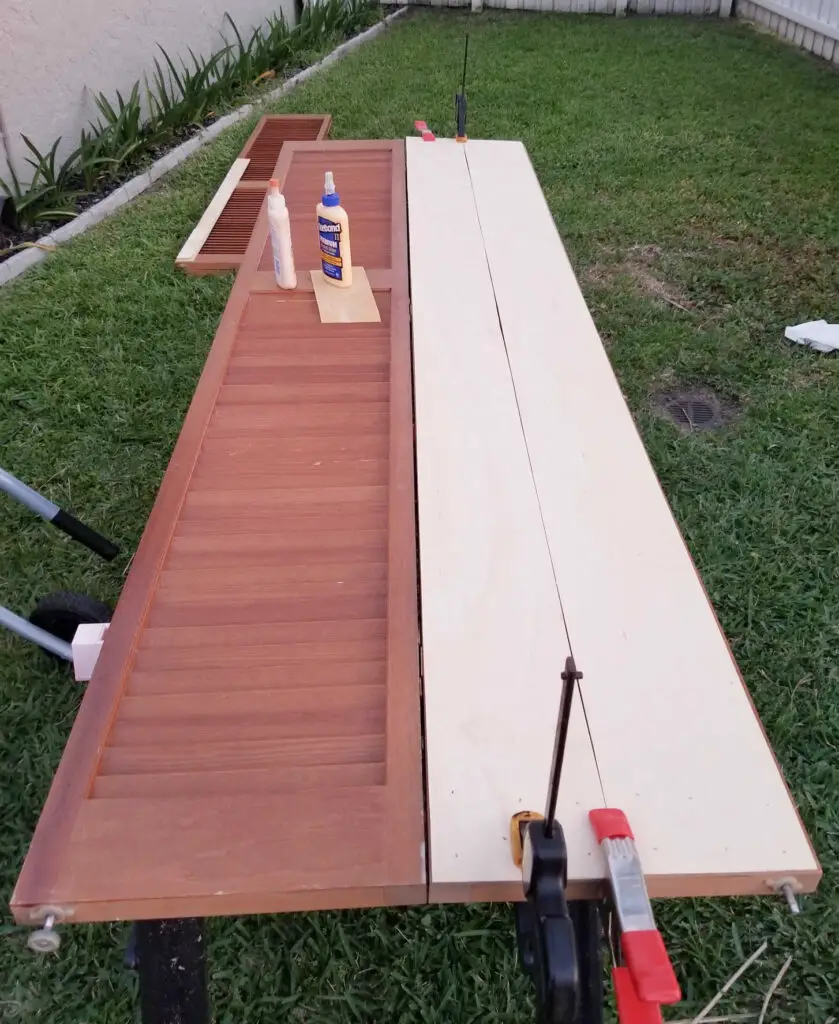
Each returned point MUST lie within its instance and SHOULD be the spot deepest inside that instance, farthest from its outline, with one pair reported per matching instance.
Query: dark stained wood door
(250, 741)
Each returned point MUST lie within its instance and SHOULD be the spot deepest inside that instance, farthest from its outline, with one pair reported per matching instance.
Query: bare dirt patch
(640, 264)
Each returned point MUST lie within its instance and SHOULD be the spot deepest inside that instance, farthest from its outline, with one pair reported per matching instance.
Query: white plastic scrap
(818, 334)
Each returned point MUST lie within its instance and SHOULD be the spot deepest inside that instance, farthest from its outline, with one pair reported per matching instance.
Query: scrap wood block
(221, 237)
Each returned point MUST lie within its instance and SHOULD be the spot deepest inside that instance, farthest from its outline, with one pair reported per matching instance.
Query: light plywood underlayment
(529, 464)
(353, 305)
(201, 231)
(494, 644)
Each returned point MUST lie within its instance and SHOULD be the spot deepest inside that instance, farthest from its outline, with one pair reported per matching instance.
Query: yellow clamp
(517, 823)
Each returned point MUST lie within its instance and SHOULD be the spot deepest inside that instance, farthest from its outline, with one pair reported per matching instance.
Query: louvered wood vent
(221, 237)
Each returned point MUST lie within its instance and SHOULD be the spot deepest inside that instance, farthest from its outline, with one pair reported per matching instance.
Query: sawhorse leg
(172, 968)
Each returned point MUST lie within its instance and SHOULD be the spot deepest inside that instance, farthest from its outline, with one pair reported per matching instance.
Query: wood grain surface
(677, 743)
(250, 740)
(221, 237)
(494, 641)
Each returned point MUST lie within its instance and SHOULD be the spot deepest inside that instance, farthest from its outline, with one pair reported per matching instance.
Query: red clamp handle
(649, 965)
(425, 132)
(610, 823)
(631, 1009)
(648, 979)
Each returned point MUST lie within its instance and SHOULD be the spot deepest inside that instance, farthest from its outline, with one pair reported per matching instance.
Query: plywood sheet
(250, 740)
(677, 740)
(353, 305)
(494, 642)
(221, 237)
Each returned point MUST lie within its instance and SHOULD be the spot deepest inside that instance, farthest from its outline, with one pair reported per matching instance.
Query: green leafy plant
(24, 200)
(179, 96)
(249, 59)
(125, 121)
(117, 140)
(50, 194)
(279, 42)
(93, 159)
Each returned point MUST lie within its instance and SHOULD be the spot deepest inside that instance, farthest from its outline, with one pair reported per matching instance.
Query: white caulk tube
(279, 227)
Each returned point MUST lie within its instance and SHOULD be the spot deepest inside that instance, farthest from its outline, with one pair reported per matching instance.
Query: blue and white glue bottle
(334, 236)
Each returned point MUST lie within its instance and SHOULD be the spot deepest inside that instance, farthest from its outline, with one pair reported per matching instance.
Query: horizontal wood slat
(190, 677)
(242, 781)
(221, 237)
(266, 642)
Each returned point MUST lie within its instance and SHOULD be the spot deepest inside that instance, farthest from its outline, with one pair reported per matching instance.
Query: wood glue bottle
(334, 236)
(279, 227)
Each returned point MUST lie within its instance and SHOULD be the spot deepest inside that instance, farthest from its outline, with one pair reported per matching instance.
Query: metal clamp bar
(647, 970)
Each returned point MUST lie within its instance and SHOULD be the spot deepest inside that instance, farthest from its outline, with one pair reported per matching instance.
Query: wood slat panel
(173, 736)
(229, 755)
(253, 780)
(285, 650)
(306, 580)
(267, 635)
(251, 472)
(118, 865)
(194, 677)
(227, 224)
(277, 498)
(360, 180)
(252, 705)
(282, 393)
(279, 610)
(259, 635)
(265, 143)
(295, 451)
(309, 525)
(327, 548)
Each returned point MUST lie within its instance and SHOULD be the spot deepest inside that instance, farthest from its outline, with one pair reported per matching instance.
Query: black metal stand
(588, 963)
(172, 967)
(585, 916)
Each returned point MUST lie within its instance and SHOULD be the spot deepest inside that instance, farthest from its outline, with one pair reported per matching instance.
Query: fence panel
(811, 24)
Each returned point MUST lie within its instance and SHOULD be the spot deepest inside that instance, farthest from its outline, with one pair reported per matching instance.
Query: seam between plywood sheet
(494, 644)
(661, 683)
(579, 694)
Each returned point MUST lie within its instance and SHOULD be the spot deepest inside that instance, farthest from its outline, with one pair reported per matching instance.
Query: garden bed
(181, 100)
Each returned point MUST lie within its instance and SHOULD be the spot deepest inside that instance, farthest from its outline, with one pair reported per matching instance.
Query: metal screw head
(44, 940)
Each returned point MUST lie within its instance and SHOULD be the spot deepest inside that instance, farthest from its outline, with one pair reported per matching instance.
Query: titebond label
(330, 248)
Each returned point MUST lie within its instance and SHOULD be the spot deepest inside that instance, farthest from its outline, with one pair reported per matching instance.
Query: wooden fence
(697, 7)
(811, 24)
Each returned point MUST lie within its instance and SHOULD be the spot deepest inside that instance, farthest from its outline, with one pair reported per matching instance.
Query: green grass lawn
(684, 160)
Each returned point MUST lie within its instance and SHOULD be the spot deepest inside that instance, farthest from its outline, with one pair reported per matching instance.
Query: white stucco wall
(53, 51)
